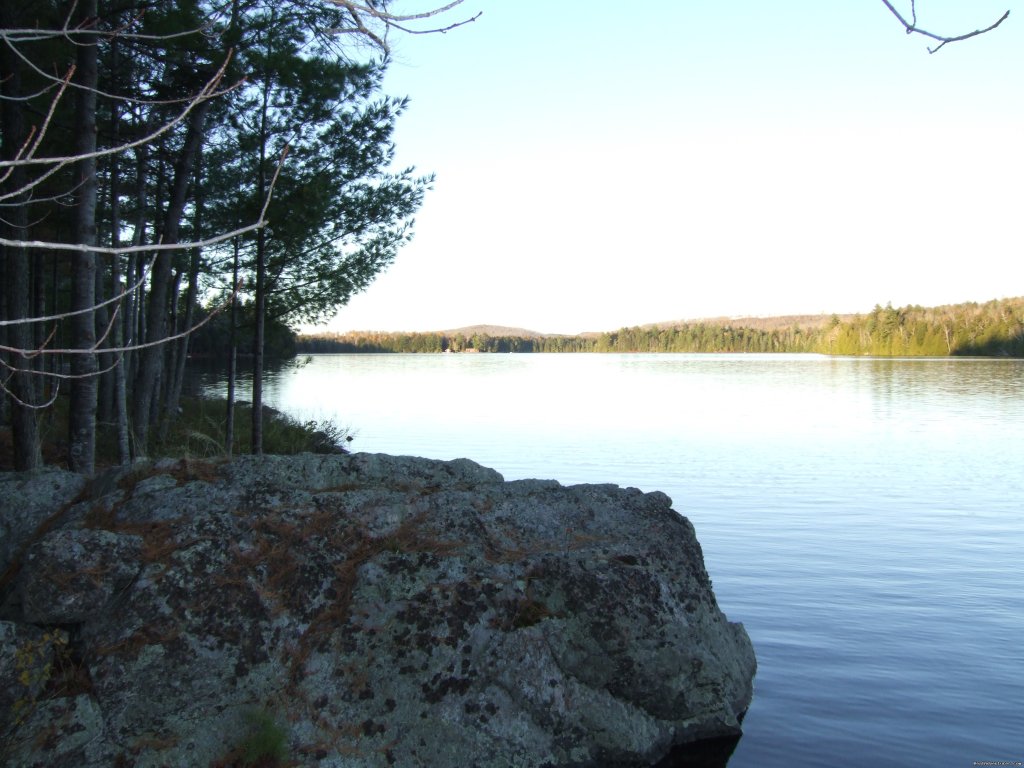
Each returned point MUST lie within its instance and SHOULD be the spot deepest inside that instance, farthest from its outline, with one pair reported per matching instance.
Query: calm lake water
(864, 518)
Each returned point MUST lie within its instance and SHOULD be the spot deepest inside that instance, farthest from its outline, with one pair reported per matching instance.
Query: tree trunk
(191, 298)
(133, 328)
(151, 358)
(106, 360)
(164, 412)
(5, 401)
(27, 453)
(124, 455)
(261, 266)
(257, 345)
(17, 278)
(181, 359)
(229, 425)
(123, 321)
(82, 409)
(39, 305)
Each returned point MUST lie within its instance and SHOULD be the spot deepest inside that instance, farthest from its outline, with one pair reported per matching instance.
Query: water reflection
(711, 753)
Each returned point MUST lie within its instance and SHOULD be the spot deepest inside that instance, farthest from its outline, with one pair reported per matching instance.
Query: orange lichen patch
(100, 517)
(68, 579)
(135, 642)
(342, 488)
(410, 536)
(521, 550)
(148, 743)
(183, 471)
(582, 540)
(158, 541)
(191, 470)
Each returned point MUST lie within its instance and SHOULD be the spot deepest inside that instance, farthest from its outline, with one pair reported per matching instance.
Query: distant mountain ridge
(761, 323)
(496, 330)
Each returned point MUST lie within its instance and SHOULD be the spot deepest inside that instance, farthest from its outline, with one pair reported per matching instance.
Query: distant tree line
(217, 336)
(992, 329)
(995, 328)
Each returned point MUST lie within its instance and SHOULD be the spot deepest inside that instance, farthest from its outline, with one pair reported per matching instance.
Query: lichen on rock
(385, 610)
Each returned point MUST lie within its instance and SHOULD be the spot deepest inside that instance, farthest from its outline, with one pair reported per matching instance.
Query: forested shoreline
(195, 176)
(994, 328)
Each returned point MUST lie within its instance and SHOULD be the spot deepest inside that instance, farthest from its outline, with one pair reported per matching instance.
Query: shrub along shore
(198, 432)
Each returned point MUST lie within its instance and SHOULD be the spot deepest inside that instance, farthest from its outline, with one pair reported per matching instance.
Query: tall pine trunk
(124, 455)
(191, 297)
(229, 425)
(5, 401)
(133, 329)
(151, 357)
(261, 260)
(82, 409)
(181, 358)
(17, 274)
(120, 370)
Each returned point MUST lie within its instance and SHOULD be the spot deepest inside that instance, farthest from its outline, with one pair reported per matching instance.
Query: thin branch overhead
(373, 22)
(153, 247)
(211, 90)
(115, 299)
(912, 28)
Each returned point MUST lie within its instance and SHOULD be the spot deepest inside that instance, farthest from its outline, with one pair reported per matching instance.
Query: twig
(85, 248)
(95, 348)
(66, 315)
(22, 403)
(911, 27)
(389, 20)
(208, 91)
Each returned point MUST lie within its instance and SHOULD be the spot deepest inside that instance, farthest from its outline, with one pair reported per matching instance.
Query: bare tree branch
(34, 138)
(78, 248)
(209, 91)
(912, 28)
(60, 198)
(54, 80)
(97, 348)
(144, 273)
(260, 223)
(22, 403)
(384, 21)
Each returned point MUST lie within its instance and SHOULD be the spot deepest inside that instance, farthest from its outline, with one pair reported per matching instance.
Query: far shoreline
(994, 329)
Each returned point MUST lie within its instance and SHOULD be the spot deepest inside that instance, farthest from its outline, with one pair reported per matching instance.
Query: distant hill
(484, 329)
(495, 330)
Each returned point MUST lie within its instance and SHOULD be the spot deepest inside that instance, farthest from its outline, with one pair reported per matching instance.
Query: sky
(605, 164)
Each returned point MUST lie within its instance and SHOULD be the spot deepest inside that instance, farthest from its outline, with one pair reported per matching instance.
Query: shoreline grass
(198, 431)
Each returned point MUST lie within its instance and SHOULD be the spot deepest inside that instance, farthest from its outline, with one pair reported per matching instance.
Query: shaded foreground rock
(365, 610)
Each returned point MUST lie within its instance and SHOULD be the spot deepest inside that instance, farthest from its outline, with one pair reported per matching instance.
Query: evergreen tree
(108, 113)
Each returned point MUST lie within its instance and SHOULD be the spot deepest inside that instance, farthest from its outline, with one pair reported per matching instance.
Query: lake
(864, 518)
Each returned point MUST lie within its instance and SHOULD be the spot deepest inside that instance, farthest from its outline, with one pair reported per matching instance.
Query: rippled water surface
(864, 518)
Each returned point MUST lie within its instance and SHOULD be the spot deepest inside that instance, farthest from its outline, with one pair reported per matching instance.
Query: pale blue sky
(604, 164)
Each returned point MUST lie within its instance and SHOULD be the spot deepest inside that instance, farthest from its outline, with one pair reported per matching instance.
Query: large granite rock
(362, 610)
(27, 500)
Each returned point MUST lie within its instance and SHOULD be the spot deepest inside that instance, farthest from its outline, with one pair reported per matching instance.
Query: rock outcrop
(359, 610)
